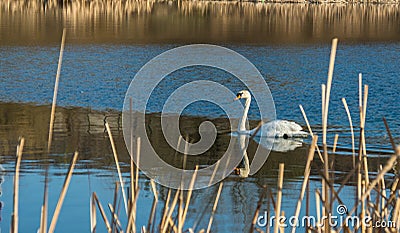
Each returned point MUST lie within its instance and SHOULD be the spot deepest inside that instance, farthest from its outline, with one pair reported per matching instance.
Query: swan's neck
(242, 125)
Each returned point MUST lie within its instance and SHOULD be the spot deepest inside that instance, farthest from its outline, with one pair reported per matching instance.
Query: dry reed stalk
(117, 165)
(178, 145)
(189, 195)
(214, 172)
(351, 130)
(166, 208)
(63, 193)
(389, 134)
(324, 213)
(362, 216)
(132, 187)
(271, 197)
(214, 207)
(132, 178)
(267, 228)
(152, 215)
(180, 211)
(53, 106)
(180, 206)
(256, 213)
(335, 143)
(383, 197)
(332, 165)
(311, 132)
(279, 197)
(363, 134)
(169, 214)
(326, 189)
(172, 223)
(93, 220)
(360, 146)
(15, 214)
(396, 218)
(281, 227)
(394, 186)
(317, 206)
(328, 88)
(43, 214)
(154, 205)
(116, 223)
(154, 189)
(114, 206)
(307, 171)
(138, 148)
(103, 214)
(132, 215)
(325, 123)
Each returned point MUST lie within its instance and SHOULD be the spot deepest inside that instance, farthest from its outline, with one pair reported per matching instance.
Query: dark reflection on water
(83, 129)
(144, 22)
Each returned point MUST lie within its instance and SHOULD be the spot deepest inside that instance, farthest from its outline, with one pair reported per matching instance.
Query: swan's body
(276, 128)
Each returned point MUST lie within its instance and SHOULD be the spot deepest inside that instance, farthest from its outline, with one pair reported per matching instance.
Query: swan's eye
(239, 95)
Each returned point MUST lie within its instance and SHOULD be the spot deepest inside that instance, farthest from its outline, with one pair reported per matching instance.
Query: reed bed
(377, 197)
(263, 21)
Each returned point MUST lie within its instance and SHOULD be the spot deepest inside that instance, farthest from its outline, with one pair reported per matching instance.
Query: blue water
(97, 76)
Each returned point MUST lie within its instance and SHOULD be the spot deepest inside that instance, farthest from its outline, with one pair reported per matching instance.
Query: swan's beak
(238, 96)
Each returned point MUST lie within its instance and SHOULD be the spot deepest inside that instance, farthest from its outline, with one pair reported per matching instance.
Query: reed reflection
(146, 22)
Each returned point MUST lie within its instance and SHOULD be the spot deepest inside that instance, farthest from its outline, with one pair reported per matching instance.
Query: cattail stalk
(15, 214)
(53, 106)
(63, 193)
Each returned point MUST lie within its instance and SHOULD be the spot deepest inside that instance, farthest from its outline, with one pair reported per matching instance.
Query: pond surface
(105, 48)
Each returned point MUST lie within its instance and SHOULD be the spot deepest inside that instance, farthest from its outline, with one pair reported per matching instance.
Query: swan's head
(243, 95)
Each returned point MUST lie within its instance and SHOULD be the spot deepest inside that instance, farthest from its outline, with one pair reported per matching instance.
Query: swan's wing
(279, 128)
(289, 126)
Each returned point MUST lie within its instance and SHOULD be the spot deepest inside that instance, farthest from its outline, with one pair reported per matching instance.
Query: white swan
(277, 128)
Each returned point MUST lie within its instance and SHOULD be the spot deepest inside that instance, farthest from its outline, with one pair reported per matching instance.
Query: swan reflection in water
(274, 144)
(277, 135)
